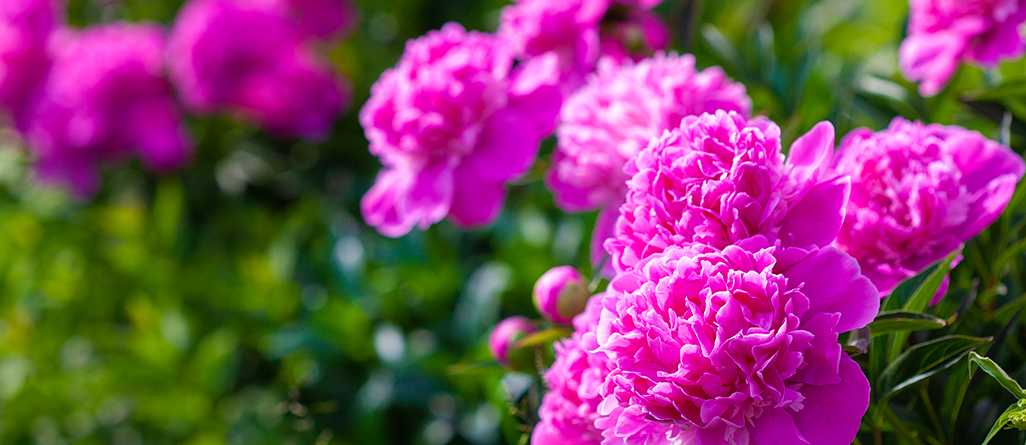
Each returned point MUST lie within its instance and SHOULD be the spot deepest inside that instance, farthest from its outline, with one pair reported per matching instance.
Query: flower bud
(506, 333)
(560, 294)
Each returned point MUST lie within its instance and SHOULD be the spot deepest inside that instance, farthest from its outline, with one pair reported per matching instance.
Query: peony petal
(777, 427)
(535, 92)
(981, 160)
(932, 59)
(988, 206)
(507, 148)
(832, 412)
(478, 201)
(816, 219)
(402, 199)
(833, 282)
(810, 156)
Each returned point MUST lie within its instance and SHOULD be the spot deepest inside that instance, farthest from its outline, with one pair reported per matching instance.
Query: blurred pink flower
(720, 178)
(25, 27)
(579, 32)
(737, 346)
(505, 334)
(570, 408)
(944, 33)
(917, 193)
(615, 115)
(253, 60)
(452, 125)
(560, 294)
(323, 19)
(106, 98)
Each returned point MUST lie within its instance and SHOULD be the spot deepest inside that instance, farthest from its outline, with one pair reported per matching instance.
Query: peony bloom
(918, 192)
(560, 294)
(569, 410)
(322, 19)
(452, 125)
(615, 115)
(106, 98)
(944, 33)
(719, 179)
(737, 346)
(252, 59)
(25, 27)
(579, 32)
(505, 334)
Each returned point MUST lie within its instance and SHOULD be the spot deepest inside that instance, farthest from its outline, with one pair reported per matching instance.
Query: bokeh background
(244, 301)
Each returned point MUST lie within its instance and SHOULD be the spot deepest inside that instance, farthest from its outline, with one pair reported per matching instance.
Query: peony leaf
(999, 93)
(923, 360)
(924, 292)
(901, 321)
(995, 371)
(1001, 422)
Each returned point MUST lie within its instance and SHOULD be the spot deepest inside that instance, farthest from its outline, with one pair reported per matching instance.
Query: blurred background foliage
(245, 302)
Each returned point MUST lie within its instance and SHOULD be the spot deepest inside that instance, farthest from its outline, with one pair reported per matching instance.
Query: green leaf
(995, 371)
(998, 93)
(923, 360)
(545, 337)
(898, 321)
(921, 298)
(1002, 420)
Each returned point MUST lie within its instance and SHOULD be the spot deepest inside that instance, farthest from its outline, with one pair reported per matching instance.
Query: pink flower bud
(506, 333)
(560, 294)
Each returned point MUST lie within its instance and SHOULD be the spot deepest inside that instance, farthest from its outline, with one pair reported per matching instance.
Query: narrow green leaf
(545, 337)
(998, 93)
(1000, 423)
(921, 298)
(897, 321)
(924, 360)
(995, 371)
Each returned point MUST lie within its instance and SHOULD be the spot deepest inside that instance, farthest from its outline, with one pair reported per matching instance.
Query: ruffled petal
(477, 201)
(844, 290)
(832, 413)
(816, 219)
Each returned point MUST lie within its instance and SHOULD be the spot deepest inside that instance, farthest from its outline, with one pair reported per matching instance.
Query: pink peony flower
(719, 179)
(918, 192)
(25, 27)
(505, 334)
(944, 33)
(105, 99)
(323, 19)
(252, 59)
(569, 410)
(579, 32)
(560, 294)
(452, 125)
(735, 346)
(615, 115)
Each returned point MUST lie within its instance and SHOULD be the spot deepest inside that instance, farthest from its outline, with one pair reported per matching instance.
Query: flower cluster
(615, 115)
(719, 179)
(452, 123)
(254, 59)
(918, 192)
(579, 32)
(84, 98)
(105, 99)
(944, 33)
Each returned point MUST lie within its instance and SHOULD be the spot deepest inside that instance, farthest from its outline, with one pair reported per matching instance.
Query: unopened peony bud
(506, 333)
(560, 294)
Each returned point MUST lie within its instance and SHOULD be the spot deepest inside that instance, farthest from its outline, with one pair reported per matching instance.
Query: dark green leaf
(921, 298)
(1000, 423)
(995, 371)
(897, 321)
(545, 337)
(924, 360)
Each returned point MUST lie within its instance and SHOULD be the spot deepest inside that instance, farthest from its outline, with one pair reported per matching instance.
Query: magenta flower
(323, 19)
(560, 294)
(252, 59)
(735, 346)
(615, 115)
(505, 334)
(105, 99)
(569, 410)
(918, 192)
(452, 125)
(944, 33)
(719, 179)
(25, 27)
(579, 32)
